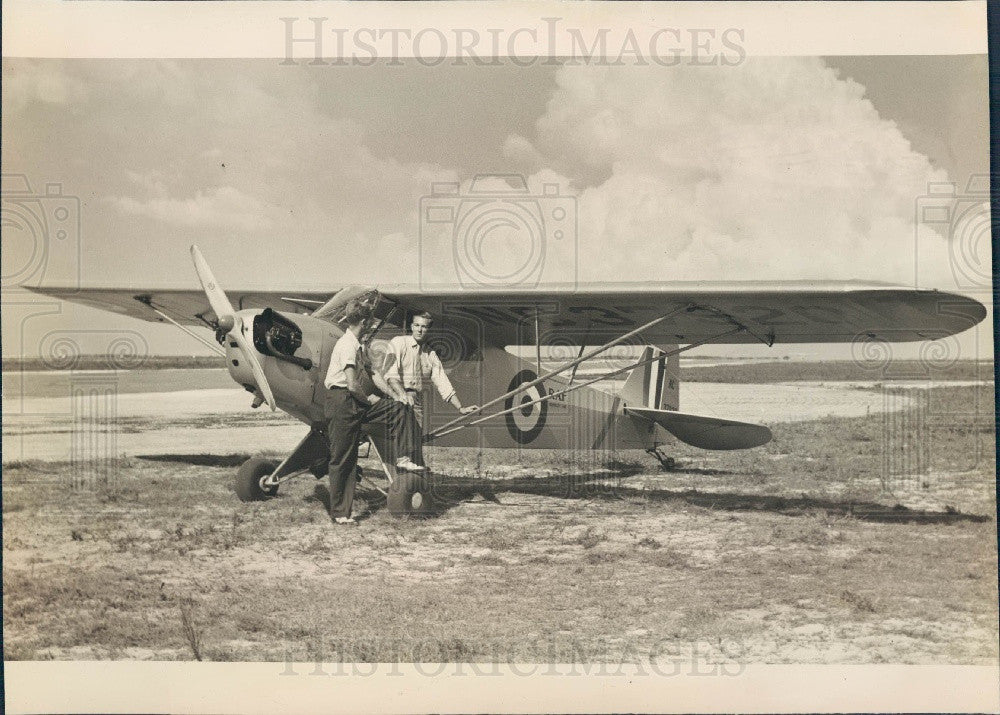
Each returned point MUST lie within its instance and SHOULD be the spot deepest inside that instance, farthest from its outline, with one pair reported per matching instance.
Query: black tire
(410, 495)
(248, 479)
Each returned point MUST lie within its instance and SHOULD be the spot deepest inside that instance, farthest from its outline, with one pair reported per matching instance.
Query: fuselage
(296, 359)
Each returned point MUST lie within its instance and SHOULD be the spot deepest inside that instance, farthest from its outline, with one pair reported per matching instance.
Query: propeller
(231, 323)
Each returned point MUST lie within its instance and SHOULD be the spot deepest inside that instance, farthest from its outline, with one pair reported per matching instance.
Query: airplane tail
(652, 395)
(657, 384)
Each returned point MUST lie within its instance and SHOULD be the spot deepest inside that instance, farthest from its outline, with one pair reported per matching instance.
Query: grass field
(755, 373)
(842, 541)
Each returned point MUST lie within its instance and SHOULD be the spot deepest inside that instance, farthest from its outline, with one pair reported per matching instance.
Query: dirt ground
(845, 540)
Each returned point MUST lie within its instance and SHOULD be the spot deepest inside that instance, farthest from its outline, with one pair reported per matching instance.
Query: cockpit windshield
(335, 309)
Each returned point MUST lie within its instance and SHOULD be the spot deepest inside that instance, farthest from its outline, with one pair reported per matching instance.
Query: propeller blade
(216, 296)
(249, 354)
(231, 323)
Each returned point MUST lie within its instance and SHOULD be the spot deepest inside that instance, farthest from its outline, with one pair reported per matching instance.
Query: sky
(309, 178)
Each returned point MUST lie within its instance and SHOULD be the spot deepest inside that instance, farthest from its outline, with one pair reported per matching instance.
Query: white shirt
(346, 353)
(413, 364)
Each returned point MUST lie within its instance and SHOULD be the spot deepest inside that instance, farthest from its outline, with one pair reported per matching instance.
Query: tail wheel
(249, 479)
(410, 495)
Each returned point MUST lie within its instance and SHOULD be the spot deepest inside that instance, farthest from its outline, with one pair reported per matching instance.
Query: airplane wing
(188, 307)
(770, 313)
(705, 432)
(773, 313)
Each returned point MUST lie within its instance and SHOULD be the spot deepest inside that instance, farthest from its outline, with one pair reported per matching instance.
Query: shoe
(344, 520)
(408, 465)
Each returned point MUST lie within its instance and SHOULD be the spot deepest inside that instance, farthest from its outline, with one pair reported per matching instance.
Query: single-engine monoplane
(277, 346)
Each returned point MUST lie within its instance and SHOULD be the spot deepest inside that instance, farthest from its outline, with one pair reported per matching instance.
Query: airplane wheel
(409, 495)
(248, 478)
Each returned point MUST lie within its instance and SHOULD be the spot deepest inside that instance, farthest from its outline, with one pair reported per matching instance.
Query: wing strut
(211, 346)
(566, 366)
(538, 341)
(447, 429)
(572, 375)
(766, 339)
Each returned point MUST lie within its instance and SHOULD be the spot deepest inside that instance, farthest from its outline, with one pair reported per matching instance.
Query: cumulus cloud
(222, 207)
(224, 158)
(43, 82)
(777, 169)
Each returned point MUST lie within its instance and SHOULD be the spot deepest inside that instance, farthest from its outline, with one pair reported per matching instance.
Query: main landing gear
(259, 478)
(251, 479)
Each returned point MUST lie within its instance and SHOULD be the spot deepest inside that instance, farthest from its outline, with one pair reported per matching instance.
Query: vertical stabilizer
(656, 385)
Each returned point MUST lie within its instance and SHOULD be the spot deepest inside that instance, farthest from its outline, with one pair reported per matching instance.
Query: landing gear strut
(667, 463)
(258, 479)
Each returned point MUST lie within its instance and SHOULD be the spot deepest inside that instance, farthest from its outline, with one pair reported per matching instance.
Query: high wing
(770, 313)
(789, 312)
(188, 307)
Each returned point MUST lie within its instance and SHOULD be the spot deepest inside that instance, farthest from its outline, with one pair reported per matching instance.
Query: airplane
(277, 347)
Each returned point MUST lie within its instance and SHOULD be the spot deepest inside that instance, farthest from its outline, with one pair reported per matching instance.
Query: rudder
(657, 384)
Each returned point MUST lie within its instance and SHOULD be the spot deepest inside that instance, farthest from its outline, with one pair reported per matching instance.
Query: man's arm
(354, 384)
(399, 392)
(440, 379)
(392, 369)
(380, 383)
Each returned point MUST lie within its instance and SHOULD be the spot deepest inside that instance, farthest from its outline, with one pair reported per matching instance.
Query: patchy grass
(859, 602)
(665, 559)
(757, 373)
(818, 562)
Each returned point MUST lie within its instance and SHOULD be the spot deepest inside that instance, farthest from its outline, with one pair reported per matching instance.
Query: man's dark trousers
(344, 431)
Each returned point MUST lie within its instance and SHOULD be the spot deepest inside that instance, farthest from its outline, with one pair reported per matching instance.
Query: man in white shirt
(411, 365)
(351, 408)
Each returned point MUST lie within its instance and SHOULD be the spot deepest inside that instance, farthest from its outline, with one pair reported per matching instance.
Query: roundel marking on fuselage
(526, 423)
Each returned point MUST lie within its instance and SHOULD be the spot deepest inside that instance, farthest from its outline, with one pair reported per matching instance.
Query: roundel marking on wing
(527, 423)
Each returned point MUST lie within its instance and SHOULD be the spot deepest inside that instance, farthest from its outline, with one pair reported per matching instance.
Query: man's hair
(425, 315)
(357, 312)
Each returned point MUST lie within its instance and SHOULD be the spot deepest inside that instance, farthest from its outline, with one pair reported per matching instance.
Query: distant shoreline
(749, 371)
(112, 362)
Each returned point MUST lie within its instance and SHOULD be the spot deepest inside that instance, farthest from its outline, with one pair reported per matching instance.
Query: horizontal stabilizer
(705, 432)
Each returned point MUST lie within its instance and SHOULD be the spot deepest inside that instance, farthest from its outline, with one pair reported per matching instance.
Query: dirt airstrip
(850, 538)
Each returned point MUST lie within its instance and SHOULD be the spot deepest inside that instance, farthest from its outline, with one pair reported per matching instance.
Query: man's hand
(373, 399)
(399, 392)
(467, 410)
